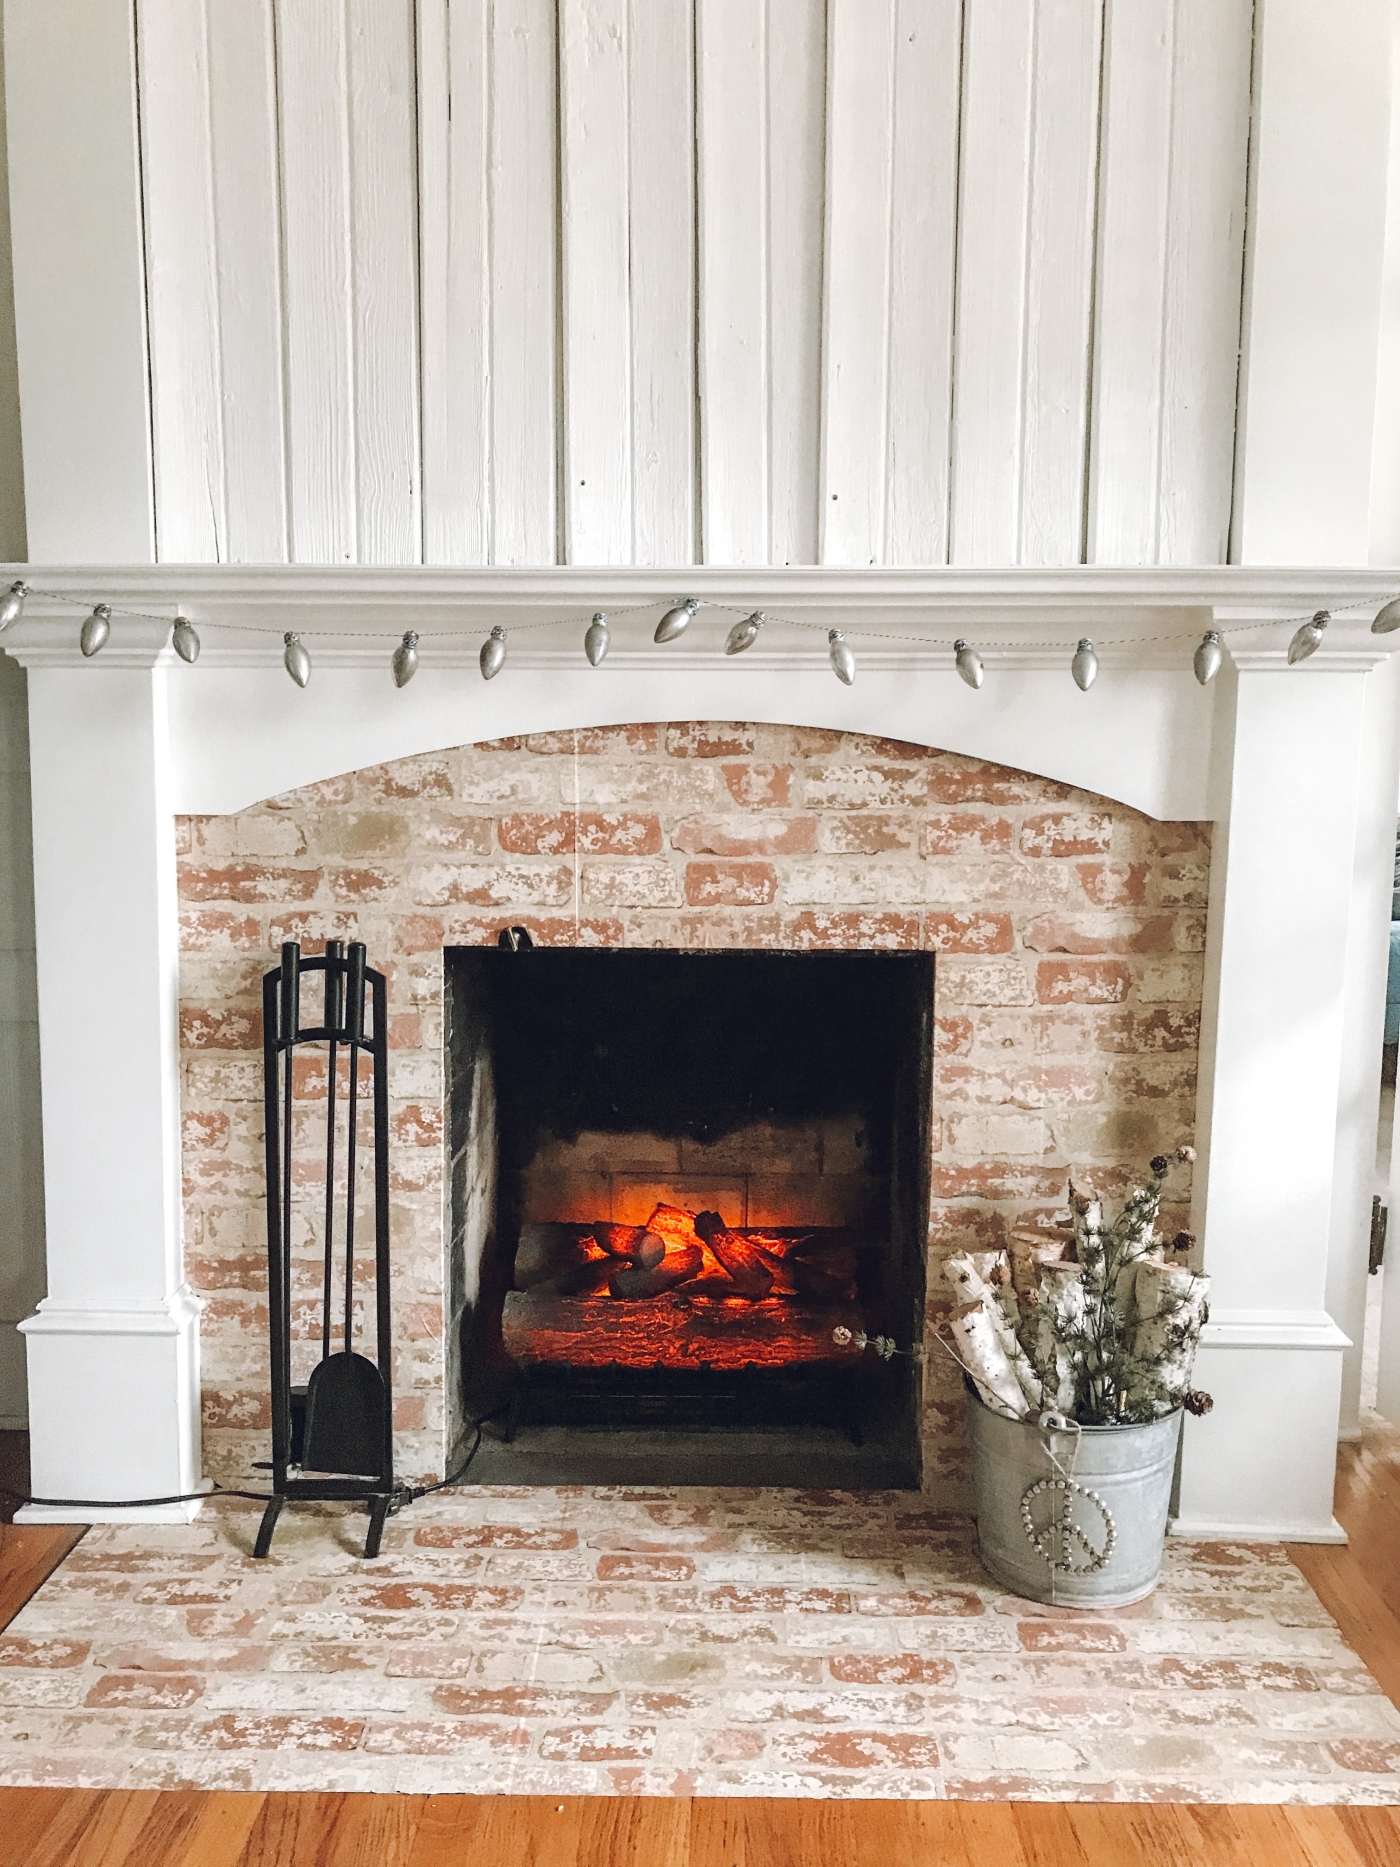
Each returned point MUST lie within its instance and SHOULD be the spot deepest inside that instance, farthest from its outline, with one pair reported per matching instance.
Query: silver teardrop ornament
(1308, 639)
(493, 654)
(843, 660)
(1208, 657)
(96, 630)
(744, 634)
(184, 639)
(1387, 618)
(596, 641)
(12, 603)
(405, 662)
(1085, 666)
(295, 659)
(968, 662)
(676, 621)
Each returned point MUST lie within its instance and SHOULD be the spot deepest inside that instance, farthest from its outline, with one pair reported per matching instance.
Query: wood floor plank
(985, 1831)
(1144, 1834)
(650, 1831)
(110, 1838)
(219, 1833)
(290, 1829)
(68, 1814)
(371, 1831)
(1367, 1624)
(1373, 1833)
(1319, 1837)
(29, 1554)
(1047, 1835)
(499, 1831)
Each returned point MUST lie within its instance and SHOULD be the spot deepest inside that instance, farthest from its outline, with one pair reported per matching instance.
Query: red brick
(1071, 1637)
(595, 741)
(446, 1737)
(251, 1411)
(732, 1598)
(858, 1750)
(145, 1691)
(1082, 981)
(492, 1536)
(1090, 934)
(522, 1701)
(410, 1413)
(503, 885)
(248, 881)
(408, 778)
(867, 833)
(969, 933)
(1212, 1675)
(859, 785)
(709, 739)
(1114, 884)
(971, 782)
(203, 930)
(1067, 833)
(253, 1730)
(952, 1037)
(416, 1126)
(598, 1743)
(441, 1597)
(730, 884)
(956, 833)
(405, 1031)
(591, 832)
(745, 836)
(312, 928)
(460, 931)
(48, 1653)
(645, 1568)
(940, 1603)
(203, 1128)
(361, 884)
(203, 1028)
(1375, 1759)
(758, 787)
(891, 1669)
(821, 930)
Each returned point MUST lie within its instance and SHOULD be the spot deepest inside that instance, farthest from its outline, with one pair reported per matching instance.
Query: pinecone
(1197, 1401)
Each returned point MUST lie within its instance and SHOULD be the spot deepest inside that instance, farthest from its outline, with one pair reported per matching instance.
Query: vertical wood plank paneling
(312, 82)
(383, 206)
(454, 82)
(761, 162)
(661, 250)
(1171, 204)
(181, 296)
(1205, 242)
(860, 66)
(523, 282)
(927, 81)
(594, 53)
(796, 106)
(243, 139)
(1059, 281)
(732, 138)
(1021, 365)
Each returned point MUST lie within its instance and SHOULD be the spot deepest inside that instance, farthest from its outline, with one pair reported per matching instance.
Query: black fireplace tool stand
(333, 1438)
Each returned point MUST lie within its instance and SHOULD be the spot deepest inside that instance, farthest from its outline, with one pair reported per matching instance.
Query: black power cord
(405, 1494)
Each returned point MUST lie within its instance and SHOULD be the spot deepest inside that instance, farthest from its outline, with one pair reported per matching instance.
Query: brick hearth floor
(674, 1642)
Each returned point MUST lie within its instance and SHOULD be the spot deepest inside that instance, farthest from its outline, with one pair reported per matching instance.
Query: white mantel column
(114, 1348)
(1273, 1062)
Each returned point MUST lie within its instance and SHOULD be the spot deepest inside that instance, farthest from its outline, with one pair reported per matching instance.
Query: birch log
(982, 1277)
(1170, 1304)
(986, 1360)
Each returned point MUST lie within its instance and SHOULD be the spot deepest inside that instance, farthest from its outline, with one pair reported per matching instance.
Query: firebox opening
(681, 1183)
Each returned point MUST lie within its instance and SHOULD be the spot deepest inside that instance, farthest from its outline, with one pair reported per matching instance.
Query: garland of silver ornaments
(296, 658)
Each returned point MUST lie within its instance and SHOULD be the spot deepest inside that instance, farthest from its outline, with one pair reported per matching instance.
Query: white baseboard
(1202, 1532)
(141, 1513)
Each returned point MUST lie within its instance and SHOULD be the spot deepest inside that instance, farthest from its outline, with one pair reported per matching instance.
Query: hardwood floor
(109, 1828)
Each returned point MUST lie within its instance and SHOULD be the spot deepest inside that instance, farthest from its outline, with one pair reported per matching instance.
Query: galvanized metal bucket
(1072, 1515)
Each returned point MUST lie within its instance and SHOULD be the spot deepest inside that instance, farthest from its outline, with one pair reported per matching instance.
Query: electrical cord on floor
(407, 1493)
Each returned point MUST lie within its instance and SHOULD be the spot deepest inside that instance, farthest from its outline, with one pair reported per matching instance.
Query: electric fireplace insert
(685, 1187)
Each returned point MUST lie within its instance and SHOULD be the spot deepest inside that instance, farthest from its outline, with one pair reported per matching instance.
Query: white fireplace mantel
(1296, 766)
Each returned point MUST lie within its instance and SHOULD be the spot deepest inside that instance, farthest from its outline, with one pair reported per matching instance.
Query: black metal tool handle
(355, 1030)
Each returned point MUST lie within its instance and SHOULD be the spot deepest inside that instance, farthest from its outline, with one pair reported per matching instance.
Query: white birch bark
(972, 1275)
(987, 1361)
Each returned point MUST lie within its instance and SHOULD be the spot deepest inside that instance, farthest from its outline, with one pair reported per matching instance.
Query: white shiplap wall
(664, 281)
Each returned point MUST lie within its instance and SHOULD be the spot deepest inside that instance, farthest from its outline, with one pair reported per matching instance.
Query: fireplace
(684, 1186)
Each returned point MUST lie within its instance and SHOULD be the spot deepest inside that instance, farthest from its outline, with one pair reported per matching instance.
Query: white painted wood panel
(242, 113)
(313, 103)
(760, 141)
(893, 73)
(79, 278)
(1167, 315)
(1029, 140)
(181, 293)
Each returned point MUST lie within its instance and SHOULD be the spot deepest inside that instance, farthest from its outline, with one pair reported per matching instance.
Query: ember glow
(683, 1290)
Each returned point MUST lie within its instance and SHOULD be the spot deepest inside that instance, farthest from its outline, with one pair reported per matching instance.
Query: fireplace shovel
(346, 1401)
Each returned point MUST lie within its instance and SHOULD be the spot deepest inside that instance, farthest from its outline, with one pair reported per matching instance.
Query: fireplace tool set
(333, 1437)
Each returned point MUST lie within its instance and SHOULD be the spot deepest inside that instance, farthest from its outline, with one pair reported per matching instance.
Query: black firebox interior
(753, 1059)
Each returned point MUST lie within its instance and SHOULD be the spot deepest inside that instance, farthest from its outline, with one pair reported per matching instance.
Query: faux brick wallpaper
(1068, 998)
